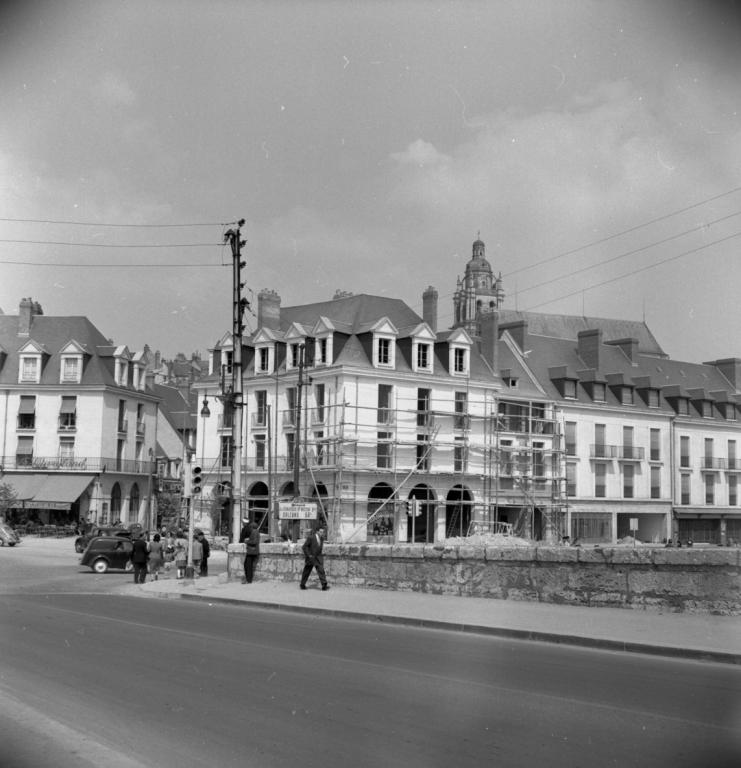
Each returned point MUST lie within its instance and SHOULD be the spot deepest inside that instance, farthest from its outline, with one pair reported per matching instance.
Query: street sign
(289, 510)
(633, 523)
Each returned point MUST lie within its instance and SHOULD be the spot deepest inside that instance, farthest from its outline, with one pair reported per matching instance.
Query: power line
(630, 253)
(624, 232)
(113, 245)
(635, 271)
(109, 224)
(106, 266)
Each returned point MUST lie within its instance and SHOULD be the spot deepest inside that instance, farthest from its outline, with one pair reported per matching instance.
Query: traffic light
(196, 479)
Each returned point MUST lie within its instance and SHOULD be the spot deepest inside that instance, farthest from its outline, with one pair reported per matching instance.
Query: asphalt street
(91, 678)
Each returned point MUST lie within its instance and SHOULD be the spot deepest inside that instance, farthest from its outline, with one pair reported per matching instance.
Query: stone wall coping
(701, 556)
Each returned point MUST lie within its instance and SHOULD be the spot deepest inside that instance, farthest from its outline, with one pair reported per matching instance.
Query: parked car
(82, 541)
(104, 553)
(8, 536)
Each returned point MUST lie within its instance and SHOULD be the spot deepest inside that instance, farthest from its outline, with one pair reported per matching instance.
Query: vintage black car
(8, 536)
(82, 541)
(104, 553)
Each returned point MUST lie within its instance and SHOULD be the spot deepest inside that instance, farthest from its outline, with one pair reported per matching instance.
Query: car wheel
(100, 566)
(79, 548)
(129, 566)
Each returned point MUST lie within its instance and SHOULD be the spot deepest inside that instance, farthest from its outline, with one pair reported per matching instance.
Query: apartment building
(77, 421)
(549, 425)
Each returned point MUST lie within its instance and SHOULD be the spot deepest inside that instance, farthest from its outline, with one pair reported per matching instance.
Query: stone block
(406, 551)
(378, 550)
(630, 555)
(432, 552)
(471, 552)
(518, 554)
(592, 555)
(557, 554)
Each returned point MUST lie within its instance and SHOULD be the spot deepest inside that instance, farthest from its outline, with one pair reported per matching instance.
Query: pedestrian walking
(139, 557)
(251, 537)
(181, 555)
(156, 556)
(206, 553)
(197, 554)
(314, 558)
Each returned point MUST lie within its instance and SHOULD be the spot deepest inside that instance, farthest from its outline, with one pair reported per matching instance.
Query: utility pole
(234, 237)
(297, 441)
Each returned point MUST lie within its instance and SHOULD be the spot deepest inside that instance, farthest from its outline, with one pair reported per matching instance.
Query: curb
(694, 654)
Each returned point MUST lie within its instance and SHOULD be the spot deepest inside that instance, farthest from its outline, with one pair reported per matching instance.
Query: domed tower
(478, 291)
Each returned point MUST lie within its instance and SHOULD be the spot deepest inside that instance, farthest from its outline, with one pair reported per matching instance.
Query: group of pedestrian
(155, 555)
(312, 548)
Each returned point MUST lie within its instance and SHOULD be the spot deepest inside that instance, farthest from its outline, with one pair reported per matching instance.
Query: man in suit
(313, 557)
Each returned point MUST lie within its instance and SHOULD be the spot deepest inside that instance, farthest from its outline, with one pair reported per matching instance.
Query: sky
(595, 147)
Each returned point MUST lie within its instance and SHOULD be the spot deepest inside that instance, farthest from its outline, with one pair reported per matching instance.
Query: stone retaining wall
(693, 580)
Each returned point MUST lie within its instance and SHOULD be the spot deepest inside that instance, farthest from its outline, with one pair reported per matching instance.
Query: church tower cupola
(479, 291)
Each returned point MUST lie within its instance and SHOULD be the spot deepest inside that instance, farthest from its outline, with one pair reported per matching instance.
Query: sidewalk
(691, 636)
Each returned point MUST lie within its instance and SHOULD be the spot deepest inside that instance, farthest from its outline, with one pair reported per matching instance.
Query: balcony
(631, 453)
(259, 421)
(386, 416)
(289, 418)
(734, 465)
(140, 428)
(225, 421)
(524, 424)
(710, 464)
(600, 451)
(123, 426)
(77, 464)
(318, 416)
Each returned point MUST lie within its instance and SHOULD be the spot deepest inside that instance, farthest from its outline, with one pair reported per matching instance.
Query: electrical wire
(112, 245)
(636, 271)
(108, 224)
(624, 232)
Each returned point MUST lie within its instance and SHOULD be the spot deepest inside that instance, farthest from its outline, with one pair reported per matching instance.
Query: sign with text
(289, 510)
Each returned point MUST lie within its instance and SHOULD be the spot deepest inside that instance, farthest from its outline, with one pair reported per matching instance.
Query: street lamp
(205, 413)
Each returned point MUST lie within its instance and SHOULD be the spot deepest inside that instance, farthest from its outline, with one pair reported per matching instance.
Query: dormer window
(122, 372)
(29, 369)
(384, 352)
(323, 351)
(460, 361)
(423, 356)
(652, 398)
(71, 369)
(569, 388)
(683, 406)
(263, 360)
(728, 411)
(599, 392)
(705, 407)
(626, 395)
(227, 359)
(294, 355)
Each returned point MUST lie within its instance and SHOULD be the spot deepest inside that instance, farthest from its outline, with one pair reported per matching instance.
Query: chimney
(518, 331)
(589, 347)
(429, 307)
(629, 347)
(26, 311)
(268, 310)
(489, 323)
(730, 367)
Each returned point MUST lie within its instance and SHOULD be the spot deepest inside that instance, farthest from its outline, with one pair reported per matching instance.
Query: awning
(28, 404)
(69, 405)
(60, 491)
(45, 491)
(707, 512)
(23, 486)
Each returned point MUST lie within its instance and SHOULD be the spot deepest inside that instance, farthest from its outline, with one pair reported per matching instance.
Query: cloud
(114, 90)
(420, 153)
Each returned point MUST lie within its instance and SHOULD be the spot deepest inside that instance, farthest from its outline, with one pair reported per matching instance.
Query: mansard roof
(53, 335)
(569, 327)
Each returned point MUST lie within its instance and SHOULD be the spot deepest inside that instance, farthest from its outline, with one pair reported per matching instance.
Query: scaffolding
(500, 460)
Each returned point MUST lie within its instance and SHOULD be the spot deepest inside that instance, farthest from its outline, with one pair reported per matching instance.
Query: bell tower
(479, 291)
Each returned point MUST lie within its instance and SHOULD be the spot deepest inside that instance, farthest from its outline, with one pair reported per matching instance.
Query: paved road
(133, 681)
(89, 678)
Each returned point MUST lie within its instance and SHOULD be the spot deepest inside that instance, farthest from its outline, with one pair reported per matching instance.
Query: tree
(7, 498)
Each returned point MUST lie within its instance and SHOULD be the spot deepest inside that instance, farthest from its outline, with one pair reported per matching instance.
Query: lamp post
(205, 413)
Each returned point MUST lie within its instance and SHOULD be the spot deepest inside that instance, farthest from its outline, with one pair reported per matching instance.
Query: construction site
(492, 468)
